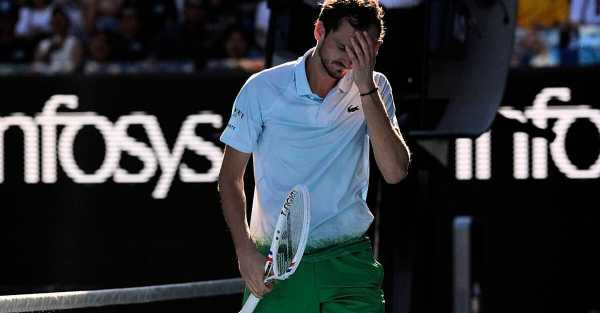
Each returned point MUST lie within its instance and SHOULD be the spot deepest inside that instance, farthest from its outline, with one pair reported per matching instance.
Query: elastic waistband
(343, 248)
(332, 251)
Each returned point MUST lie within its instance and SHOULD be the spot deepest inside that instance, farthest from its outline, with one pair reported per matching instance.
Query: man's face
(332, 49)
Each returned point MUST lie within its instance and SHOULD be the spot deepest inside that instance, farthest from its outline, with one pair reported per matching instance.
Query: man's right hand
(252, 267)
(233, 200)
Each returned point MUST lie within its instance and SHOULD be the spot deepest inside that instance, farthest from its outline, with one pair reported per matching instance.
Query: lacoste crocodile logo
(352, 109)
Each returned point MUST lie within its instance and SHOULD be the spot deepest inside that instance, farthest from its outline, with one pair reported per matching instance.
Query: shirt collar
(302, 85)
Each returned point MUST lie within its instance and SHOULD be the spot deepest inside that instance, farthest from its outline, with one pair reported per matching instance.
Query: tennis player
(310, 122)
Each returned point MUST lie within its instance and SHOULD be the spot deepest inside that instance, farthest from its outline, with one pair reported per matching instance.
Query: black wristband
(370, 92)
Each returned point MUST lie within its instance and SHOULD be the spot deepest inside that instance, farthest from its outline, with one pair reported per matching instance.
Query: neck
(318, 79)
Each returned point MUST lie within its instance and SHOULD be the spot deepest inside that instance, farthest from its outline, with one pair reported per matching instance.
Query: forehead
(345, 30)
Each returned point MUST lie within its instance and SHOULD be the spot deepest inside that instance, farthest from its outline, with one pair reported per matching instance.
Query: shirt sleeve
(245, 124)
(385, 90)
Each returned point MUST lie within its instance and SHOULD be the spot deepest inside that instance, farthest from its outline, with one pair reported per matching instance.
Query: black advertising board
(110, 181)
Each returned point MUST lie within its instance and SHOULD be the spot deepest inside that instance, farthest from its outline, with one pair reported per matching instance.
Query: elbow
(397, 173)
(399, 170)
(223, 182)
(227, 182)
(220, 182)
(396, 176)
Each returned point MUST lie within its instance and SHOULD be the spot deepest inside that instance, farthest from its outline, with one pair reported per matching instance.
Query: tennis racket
(289, 240)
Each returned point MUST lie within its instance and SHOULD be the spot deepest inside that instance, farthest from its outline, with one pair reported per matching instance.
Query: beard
(331, 72)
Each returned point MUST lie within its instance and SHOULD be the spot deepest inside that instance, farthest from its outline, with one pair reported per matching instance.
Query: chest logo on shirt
(353, 108)
(237, 113)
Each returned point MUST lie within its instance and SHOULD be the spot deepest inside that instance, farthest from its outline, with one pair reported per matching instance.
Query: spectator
(238, 52)
(157, 15)
(589, 45)
(569, 45)
(133, 44)
(101, 52)
(73, 9)
(585, 11)
(60, 53)
(60, 36)
(101, 15)
(12, 49)
(34, 20)
(522, 53)
(532, 51)
(187, 41)
(237, 44)
(222, 16)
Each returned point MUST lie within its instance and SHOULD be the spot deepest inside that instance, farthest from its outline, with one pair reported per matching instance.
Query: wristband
(370, 92)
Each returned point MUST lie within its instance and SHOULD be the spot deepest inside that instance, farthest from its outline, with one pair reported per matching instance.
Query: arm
(233, 201)
(391, 152)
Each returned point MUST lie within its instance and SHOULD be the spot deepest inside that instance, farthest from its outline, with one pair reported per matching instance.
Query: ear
(319, 31)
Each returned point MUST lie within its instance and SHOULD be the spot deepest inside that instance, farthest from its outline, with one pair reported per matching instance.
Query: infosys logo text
(57, 146)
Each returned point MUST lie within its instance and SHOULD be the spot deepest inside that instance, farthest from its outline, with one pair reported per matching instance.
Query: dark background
(534, 240)
(113, 235)
(535, 244)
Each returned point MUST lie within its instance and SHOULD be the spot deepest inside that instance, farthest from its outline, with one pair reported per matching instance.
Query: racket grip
(250, 304)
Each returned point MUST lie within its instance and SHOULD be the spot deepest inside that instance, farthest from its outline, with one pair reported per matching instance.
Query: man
(310, 121)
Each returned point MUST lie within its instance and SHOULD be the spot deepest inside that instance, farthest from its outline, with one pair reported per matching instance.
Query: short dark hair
(361, 14)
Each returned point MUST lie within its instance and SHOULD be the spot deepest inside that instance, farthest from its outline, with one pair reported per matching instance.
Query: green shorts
(344, 278)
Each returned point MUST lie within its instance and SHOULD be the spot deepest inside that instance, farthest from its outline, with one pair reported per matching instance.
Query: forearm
(233, 203)
(391, 153)
(389, 148)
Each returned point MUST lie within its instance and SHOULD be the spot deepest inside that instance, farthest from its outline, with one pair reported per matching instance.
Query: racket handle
(250, 304)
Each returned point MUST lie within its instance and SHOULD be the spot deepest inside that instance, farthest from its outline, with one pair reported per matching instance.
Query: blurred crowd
(130, 36)
(185, 36)
(557, 33)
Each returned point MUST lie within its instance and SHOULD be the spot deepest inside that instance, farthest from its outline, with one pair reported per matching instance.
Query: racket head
(291, 233)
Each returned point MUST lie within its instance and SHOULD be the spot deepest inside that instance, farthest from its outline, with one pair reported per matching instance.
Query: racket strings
(295, 224)
(290, 233)
(282, 258)
(286, 250)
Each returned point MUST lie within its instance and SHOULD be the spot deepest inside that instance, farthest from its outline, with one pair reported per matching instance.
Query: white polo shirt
(297, 137)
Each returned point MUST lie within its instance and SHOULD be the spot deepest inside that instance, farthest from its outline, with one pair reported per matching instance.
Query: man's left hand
(362, 52)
